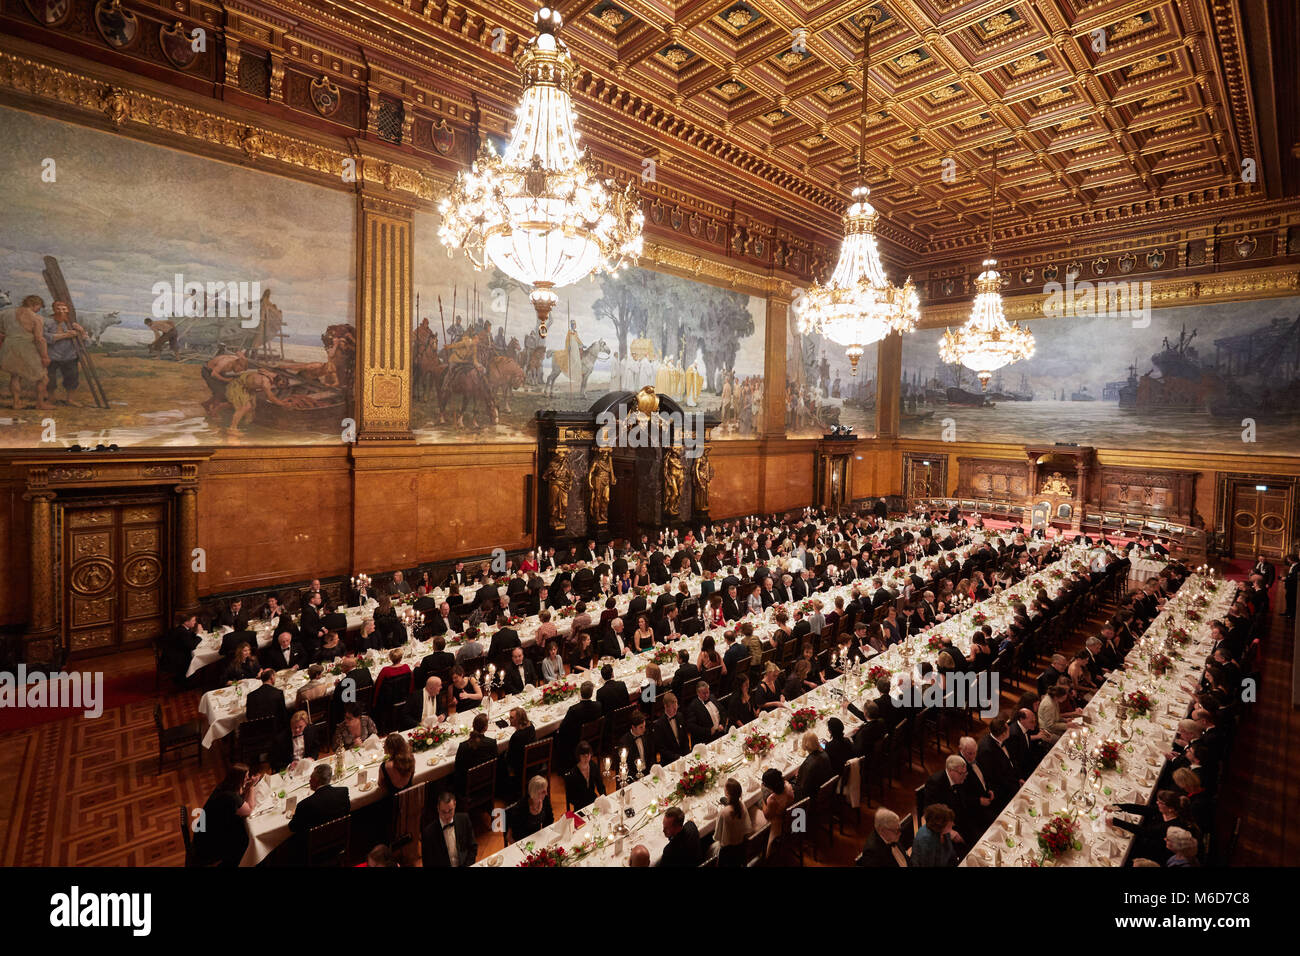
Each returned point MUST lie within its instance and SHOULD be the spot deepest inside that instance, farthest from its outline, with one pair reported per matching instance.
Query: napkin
(373, 745)
(700, 752)
(263, 791)
(605, 804)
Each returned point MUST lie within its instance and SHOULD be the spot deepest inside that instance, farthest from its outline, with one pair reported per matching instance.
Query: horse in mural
(467, 381)
(504, 376)
(427, 368)
(560, 365)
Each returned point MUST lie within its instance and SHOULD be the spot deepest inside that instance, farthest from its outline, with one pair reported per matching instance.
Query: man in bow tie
(449, 840)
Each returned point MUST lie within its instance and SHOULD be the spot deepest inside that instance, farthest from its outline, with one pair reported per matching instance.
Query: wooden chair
(920, 802)
(327, 844)
(537, 763)
(907, 830)
(713, 677)
(191, 858)
(254, 740)
(177, 738)
(798, 826)
(756, 845)
(592, 732)
(619, 722)
(404, 827)
(510, 815)
(825, 803)
(480, 786)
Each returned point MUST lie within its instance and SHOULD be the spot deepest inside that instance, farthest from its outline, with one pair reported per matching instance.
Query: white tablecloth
(1012, 838)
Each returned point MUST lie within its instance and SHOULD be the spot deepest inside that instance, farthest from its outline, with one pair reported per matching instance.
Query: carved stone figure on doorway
(703, 475)
(600, 478)
(674, 476)
(560, 485)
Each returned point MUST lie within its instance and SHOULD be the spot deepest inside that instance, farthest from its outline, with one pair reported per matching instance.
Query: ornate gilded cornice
(694, 265)
(131, 109)
(1166, 292)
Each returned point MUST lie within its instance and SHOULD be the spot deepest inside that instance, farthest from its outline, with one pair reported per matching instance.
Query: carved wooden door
(114, 575)
(1259, 521)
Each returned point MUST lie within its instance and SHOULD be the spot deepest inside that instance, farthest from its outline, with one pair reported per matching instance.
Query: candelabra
(619, 776)
(360, 582)
(487, 684)
(1077, 746)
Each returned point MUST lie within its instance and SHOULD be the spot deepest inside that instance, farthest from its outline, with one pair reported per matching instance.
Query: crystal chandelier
(858, 306)
(540, 212)
(986, 342)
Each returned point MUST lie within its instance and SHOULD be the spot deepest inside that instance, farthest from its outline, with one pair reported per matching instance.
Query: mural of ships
(1022, 393)
(1259, 372)
(1081, 395)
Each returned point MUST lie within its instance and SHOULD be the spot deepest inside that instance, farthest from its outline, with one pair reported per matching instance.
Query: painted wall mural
(481, 371)
(217, 302)
(1220, 376)
(820, 389)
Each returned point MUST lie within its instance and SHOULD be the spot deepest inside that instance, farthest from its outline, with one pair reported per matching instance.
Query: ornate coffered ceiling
(1109, 117)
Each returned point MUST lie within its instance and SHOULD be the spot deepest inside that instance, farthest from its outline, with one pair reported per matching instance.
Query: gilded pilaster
(385, 251)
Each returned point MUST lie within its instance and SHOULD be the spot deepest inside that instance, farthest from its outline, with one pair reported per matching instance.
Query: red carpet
(117, 691)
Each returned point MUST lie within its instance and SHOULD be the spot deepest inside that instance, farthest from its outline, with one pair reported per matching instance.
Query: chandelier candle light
(986, 342)
(539, 212)
(858, 306)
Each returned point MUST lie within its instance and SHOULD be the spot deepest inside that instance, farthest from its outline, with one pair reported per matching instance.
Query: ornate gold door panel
(114, 575)
(1258, 522)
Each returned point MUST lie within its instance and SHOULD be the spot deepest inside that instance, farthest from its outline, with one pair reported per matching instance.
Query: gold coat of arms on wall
(1056, 485)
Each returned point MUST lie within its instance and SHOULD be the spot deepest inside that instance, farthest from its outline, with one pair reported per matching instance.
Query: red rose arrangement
(1108, 754)
(1059, 836)
(934, 642)
(876, 672)
(663, 654)
(426, 738)
(697, 779)
(546, 856)
(559, 690)
(1138, 701)
(803, 719)
(756, 745)
(1160, 663)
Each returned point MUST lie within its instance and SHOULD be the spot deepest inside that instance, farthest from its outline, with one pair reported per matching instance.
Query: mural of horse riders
(575, 361)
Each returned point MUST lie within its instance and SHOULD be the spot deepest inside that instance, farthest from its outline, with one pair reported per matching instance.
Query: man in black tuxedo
(282, 653)
(1021, 745)
(519, 672)
(1055, 671)
(427, 704)
(310, 626)
(585, 552)
(1265, 569)
(570, 731)
(326, 803)
(638, 743)
(503, 641)
(267, 701)
(704, 718)
(233, 617)
(997, 765)
(882, 596)
(178, 647)
(683, 847)
(457, 576)
(611, 641)
(882, 850)
(880, 509)
(666, 628)
(948, 786)
(613, 694)
(671, 738)
(301, 739)
(781, 591)
(448, 840)
(730, 605)
(445, 621)
(686, 671)
(979, 794)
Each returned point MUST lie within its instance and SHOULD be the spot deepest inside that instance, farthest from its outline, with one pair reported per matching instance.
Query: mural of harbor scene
(1189, 379)
(480, 368)
(820, 390)
(267, 358)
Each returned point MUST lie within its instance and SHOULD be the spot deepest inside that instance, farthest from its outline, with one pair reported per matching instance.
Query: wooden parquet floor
(79, 792)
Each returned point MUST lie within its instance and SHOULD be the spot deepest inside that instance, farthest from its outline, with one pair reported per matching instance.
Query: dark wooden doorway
(1258, 520)
(115, 565)
(623, 500)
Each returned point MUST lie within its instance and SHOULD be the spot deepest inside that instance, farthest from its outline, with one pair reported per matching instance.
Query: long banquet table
(1012, 838)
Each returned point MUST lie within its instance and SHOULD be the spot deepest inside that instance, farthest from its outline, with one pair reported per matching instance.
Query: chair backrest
(825, 798)
(480, 784)
(591, 732)
(537, 760)
(756, 844)
(619, 722)
(712, 676)
(907, 830)
(920, 802)
(408, 812)
(185, 831)
(327, 844)
(508, 837)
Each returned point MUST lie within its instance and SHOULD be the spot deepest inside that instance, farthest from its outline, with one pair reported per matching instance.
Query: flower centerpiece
(1180, 636)
(545, 856)
(1192, 615)
(979, 618)
(426, 738)
(664, 654)
(1059, 836)
(567, 611)
(806, 607)
(803, 719)
(1160, 663)
(1108, 754)
(757, 744)
(557, 691)
(934, 642)
(695, 780)
(1138, 702)
(876, 672)
(1056, 574)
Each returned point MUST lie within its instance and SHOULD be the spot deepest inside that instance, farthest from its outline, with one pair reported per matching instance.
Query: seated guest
(519, 673)
(503, 641)
(767, 696)
(778, 797)
(242, 666)
(233, 617)
(583, 784)
(327, 802)
(683, 847)
(448, 841)
(552, 664)
(315, 688)
(513, 766)
(703, 717)
(465, 691)
(267, 701)
(612, 645)
(815, 770)
(476, 749)
(223, 838)
(839, 749)
(427, 707)
(740, 707)
(470, 649)
(613, 693)
(583, 655)
(300, 739)
(532, 814)
(445, 621)
(735, 824)
(584, 711)
(883, 850)
(932, 846)
(354, 729)
(1171, 810)
(398, 767)
(686, 672)
(395, 672)
(796, 683)
(283, 654)
(331, 648)
(644, 635)
(671, 736)
(1183, 845)
(637, 743)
